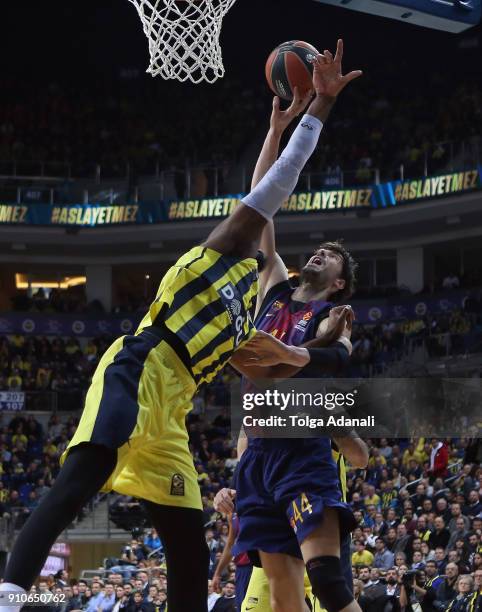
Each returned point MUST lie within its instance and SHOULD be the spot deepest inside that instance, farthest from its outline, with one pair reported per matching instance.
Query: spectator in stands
(447, 588)
(359, 594)
(464, 586)
(417, 561)
(442, 509)
(475, 603)
(152, 541)
(227, 602)
(14, 381)
(153, 594)
(422, 531)
(211, 541)
(361, 556)
(121, 599)
(455, 556)
(384, 559)
(403, 539)
(138, 604)
(465, 481)
(456, 514)
(409, 520)
(440, 559)
(458, 533)
(474, 507)
(97, 594)
(79, 599)
(212, 596)
(379, 526)
(473, 544)
(439, 459)
(391, 539)
(400, 559)
(106, 601)
(384, 595)
(441, 536)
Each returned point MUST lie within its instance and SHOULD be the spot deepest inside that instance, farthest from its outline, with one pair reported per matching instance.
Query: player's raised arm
(274, 270)
(328, 81)
(239, 234)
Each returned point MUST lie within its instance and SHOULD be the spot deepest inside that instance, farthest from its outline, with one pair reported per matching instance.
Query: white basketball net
(183, 37)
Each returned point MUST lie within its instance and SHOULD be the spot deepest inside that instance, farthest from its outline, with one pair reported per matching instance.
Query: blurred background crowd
(124, 130)
(418, 508)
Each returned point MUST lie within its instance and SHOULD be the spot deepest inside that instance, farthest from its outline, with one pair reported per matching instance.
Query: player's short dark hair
(348, 272)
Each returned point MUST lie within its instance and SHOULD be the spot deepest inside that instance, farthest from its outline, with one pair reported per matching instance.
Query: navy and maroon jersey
(284, 484)
(291, 321)
(241, 558)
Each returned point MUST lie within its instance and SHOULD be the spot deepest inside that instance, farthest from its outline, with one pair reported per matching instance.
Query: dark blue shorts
(283, 488)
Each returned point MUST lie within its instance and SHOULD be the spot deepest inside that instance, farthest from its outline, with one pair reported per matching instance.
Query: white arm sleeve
(280, 180)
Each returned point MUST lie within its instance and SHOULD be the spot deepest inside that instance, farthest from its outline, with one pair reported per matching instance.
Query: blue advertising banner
(383, 195)
(367, 312)
(67, 325)
(407, 308)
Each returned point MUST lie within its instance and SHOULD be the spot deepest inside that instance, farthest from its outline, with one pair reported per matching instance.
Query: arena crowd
(418, 508)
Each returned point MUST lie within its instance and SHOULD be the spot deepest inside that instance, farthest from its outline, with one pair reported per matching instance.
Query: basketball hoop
(183, 37)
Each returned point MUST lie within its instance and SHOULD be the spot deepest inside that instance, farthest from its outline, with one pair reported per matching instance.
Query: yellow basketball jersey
(205, 300)
(341, 466)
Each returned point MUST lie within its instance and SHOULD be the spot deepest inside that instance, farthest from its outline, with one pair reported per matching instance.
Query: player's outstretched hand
(328, 79)
(280, 119)
(265, 350)
(223, 501)
(339, 323)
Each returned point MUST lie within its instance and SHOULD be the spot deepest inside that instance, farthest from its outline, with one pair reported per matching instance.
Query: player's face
(323, 269)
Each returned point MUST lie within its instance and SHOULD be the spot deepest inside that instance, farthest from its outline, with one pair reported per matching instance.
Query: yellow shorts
(137, 403)
(258, 595)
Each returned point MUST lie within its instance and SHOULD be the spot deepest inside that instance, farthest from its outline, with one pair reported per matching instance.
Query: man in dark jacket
(447, 590)
(138, 604)
(227, 602)
(441, 535)
(384, 596)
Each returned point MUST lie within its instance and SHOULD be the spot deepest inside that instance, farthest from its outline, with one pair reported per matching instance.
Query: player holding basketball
(132, 436)
(289, 501)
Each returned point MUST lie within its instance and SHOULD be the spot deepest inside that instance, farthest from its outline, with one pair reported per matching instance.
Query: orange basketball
(289, 66)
